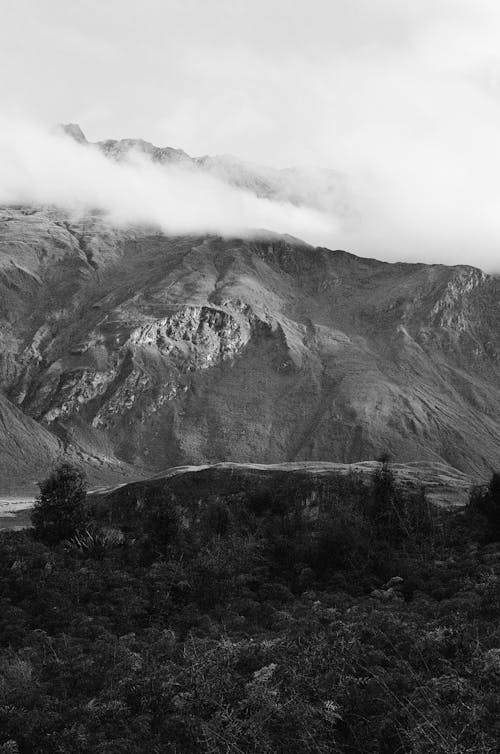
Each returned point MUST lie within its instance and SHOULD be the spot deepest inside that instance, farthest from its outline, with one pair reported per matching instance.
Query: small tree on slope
(59, 511)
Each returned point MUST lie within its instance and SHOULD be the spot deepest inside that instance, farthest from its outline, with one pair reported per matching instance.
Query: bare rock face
(136, 351)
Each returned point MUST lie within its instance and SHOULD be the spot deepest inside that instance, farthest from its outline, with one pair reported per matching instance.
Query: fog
(40, 166)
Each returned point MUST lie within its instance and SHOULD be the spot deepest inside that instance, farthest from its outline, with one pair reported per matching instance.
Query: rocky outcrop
(74, 131)
(145, 363)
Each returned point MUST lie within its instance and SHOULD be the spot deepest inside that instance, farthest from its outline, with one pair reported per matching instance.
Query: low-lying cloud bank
(42, 167)
(394, 210)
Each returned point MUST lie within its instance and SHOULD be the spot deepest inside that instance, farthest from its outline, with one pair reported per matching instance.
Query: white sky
(403, 96)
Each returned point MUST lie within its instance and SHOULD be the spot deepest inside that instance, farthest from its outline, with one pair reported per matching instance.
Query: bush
(161, 525)
(59, 511)
(216, 519)
(341, 539)
(97, 541)
(395, 514)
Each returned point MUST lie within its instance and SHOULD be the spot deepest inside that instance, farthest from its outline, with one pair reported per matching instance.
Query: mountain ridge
(318, 188)
(137, 351)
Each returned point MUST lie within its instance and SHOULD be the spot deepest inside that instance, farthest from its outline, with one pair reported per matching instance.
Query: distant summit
(322, 189)
(121, 148)
(74, 131)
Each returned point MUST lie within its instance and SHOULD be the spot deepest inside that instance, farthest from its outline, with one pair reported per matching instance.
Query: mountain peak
(74, 131)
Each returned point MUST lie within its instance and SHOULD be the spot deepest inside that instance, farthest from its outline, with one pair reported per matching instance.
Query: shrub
(59, 511)
(216, 518)
(395, 514)
(161, 525)
(95, 542)
(341, 539)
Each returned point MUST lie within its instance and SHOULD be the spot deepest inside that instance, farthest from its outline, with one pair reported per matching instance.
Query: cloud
(40, 167)
(402, 98)
(418, 134)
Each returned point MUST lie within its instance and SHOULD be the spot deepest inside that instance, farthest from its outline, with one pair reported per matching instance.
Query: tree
(383, 507)
(59, 511)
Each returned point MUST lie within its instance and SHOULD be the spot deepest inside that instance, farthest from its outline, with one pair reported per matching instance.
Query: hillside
(137, 351)
(307, 483)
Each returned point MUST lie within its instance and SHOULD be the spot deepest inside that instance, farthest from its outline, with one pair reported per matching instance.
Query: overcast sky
(403, 96)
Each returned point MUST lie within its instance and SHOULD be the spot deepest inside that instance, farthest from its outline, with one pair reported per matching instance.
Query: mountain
(26, 449)
(322, 189)
(133, 351)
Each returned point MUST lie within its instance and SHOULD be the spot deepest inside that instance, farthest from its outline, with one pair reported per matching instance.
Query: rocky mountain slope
(133, 351)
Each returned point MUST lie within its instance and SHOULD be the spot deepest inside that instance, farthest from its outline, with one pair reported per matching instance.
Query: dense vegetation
(360, 621)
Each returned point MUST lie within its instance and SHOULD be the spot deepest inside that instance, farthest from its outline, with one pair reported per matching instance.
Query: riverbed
(15, 512)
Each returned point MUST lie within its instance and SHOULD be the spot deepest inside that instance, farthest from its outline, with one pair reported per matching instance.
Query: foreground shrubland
(372, 626)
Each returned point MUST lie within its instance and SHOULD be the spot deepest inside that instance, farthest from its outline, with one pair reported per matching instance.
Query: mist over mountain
(320, 189)
(132, 181)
